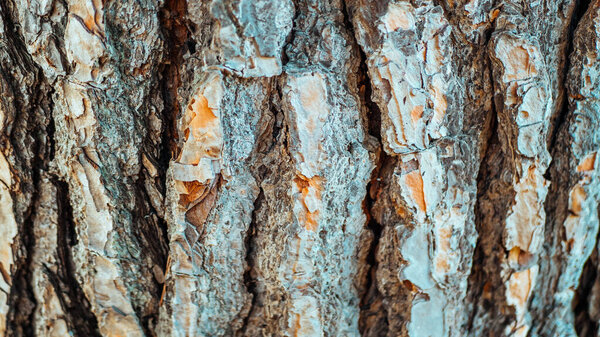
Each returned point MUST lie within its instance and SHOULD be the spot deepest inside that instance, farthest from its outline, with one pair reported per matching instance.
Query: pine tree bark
(299, 168)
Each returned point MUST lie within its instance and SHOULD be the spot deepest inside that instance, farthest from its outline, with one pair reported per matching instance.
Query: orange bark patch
(519, 256)
(576, 198)
(520, 286)
(310, 189)
(410, 286)
(519, 64)
(587, 164)
(416, 113)
(494, 14)
(192, 191)
(398, 17)
(198, 214)
(204, 115)
(297, 325)
(445, 234)
(311, 221)
(487, 290)
(513, 254)
(440, 105)
(90, 14)
(442, 264)
(90, 22)
(414, 181)
(4, 272)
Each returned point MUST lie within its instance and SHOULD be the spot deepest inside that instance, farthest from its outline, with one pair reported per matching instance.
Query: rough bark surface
(299, 168)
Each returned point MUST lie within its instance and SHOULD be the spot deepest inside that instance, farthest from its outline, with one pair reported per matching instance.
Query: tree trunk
(299, 168)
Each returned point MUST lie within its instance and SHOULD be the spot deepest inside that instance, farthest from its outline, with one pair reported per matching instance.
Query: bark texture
(299, 168)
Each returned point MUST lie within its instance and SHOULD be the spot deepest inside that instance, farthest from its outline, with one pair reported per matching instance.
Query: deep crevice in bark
(175, 33)
(374, 128)
(151, 230)
(265, 144)
(22, 301)
(74, 303)
(371, 293)
(553, 207)
(480, 283)
(289, 39)
(249, 279)
(585, 325)
(481, 287)
(581, 7)
(79, 316)
(172, 18)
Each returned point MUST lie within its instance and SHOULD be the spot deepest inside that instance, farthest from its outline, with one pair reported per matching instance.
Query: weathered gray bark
(299, 168)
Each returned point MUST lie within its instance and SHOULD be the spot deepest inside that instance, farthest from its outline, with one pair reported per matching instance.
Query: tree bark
(299, 168)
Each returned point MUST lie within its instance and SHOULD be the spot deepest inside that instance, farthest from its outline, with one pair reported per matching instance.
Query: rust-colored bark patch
(587, 164)
(414, 181)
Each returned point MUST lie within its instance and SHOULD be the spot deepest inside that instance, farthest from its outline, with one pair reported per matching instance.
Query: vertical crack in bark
(479, 281)
(151, 229)
(22, 301)
(249, 279)
(584, 298)
(371, 297)
(175, 34)
(175, 37)
(559, 183)
(264, 144)
(481, 286)
(149, 224)
(80, 318)
(371, 294)
(581, 6)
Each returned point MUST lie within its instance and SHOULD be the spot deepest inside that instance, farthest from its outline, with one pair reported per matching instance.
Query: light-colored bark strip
(79, 163)
(211, 198)
(413, 53)
(525, 115)
(212, 186)
(575, 193)
(304, 274)
(526, 79)
(310, 233)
